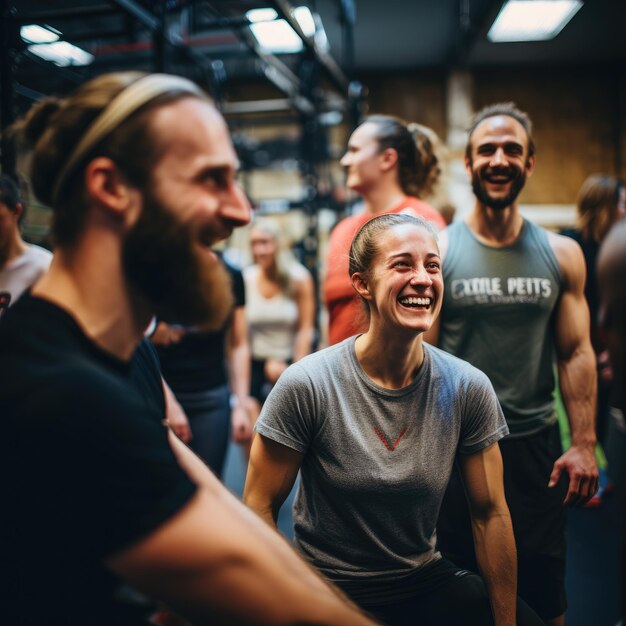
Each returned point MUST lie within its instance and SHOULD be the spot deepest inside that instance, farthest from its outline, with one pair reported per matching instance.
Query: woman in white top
(280, 307)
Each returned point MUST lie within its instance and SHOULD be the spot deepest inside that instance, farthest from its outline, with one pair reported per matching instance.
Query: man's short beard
(162, 265)
(498, 204)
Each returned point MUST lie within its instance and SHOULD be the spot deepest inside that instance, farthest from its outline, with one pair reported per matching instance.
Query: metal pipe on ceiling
(285, 10)
(66, 13)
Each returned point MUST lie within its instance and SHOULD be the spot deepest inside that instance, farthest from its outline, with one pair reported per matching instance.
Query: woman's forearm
(496, 556)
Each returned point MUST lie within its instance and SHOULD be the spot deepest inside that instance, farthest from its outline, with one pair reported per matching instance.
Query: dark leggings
(259, 385)
(209, 419)
(461, 602)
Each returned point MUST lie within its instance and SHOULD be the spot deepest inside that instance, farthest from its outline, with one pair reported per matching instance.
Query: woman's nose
(421, 276)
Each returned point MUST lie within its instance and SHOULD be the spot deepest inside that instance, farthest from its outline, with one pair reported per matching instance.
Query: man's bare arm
(577, 375)
(492, 529)
(215, 562)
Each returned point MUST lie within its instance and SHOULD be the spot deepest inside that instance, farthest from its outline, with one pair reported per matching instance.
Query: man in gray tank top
(514, 307)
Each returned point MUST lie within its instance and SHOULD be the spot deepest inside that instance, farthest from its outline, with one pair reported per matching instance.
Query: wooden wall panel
(415, 97)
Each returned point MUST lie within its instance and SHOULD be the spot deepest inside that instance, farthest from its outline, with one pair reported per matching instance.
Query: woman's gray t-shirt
(377, 461)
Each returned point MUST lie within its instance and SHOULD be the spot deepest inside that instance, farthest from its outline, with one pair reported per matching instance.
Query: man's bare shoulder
(569, 256)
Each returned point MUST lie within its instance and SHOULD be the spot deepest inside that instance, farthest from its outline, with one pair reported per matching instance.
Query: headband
(118, 110)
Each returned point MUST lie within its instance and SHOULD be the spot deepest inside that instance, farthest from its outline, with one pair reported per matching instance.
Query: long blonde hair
(285, 260)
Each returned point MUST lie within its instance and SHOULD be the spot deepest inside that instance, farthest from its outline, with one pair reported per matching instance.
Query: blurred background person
(21, 264)
(601, 202)
(611, 280)
(448, 211)
(391, 165)
(209, 375)
(280, 308)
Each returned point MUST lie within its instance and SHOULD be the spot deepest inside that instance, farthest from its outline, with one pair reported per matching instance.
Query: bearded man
(140, 172)
(514, 307)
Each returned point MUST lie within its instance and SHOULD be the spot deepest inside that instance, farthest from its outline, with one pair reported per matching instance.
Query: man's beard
(162, 265)
(518, 180)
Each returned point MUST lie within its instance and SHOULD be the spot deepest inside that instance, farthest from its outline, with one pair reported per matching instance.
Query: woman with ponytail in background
(391, 165)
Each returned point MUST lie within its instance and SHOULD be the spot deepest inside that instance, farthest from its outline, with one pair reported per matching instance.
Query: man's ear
(530, 165)
(389, 159)
(360, 285)
(107, 187)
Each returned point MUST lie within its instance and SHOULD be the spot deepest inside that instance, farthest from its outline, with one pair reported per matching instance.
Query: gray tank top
(498, 315)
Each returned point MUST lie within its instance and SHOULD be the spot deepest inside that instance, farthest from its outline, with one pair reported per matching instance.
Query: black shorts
(259, 385)
(440, 594)
(538, 518)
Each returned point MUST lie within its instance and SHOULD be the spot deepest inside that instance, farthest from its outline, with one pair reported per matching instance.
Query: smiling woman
(375, 425)
(404, 264)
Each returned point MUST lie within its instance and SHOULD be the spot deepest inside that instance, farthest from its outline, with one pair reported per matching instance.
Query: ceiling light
(62, 53)
(305, 18)
(33, 33)
(261, 15)
(532, 20)
(276, 35)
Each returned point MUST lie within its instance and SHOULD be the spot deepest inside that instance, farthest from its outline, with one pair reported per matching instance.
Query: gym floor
(592, 562)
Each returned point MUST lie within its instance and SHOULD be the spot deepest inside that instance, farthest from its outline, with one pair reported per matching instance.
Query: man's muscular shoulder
(570, 258)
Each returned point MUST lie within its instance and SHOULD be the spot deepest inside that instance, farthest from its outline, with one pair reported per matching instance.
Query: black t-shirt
(87, 469)
(198, 361)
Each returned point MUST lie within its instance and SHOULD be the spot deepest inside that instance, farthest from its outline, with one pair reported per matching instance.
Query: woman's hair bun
(29, 129)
